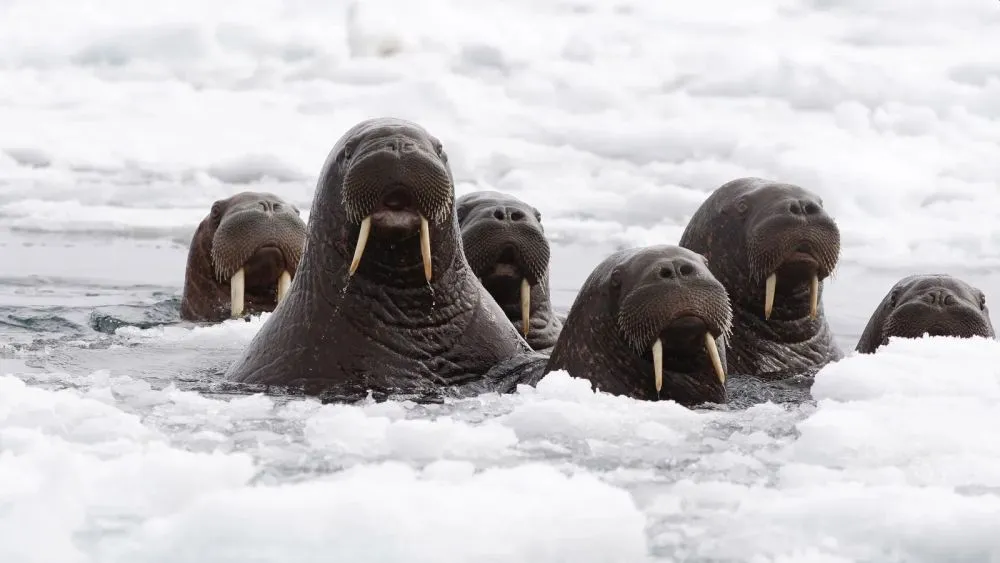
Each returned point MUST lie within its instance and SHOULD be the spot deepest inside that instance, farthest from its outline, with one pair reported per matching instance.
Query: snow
(121, 122)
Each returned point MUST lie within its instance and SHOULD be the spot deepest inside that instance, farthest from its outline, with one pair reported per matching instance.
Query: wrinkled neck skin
(591, 347)
(545, 326)
(207, 299)
(789, 343)
(383, 329)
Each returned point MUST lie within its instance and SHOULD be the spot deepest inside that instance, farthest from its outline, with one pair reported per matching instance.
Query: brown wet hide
(258, 232)
(630, 300)
(505, 243)
(749, 229)
(384, 328)
(932, 304)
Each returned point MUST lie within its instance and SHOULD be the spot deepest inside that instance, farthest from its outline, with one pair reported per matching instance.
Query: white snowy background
(122, 121)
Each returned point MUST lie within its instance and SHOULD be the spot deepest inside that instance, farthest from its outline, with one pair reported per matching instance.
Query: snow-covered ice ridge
(614, 118)
(896, 461)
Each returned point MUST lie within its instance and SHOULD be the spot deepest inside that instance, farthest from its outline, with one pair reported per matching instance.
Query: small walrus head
(770, 244)
(396, 185)
(932, 304)
(645, 325)
(251, 242)
(506, 247)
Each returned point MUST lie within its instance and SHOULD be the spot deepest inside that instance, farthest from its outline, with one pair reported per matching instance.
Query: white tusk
(814, 297)
(772, 282)
(525, 306)
(236, 287)
(658, 365)
(284, 282)
(425, 247)
(713, 353)
(366, 229)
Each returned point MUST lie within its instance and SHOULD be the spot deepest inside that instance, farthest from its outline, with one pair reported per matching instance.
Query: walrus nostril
(667, 272)
(685, 270)
(266, 205)
(811, 208)
(499, 214)
(516, 215)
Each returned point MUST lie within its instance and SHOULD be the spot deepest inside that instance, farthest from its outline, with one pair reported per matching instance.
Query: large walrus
(649, 323)
(242, 258)
(384, 300)
(933, 304)
(771, 245)
(506, 247)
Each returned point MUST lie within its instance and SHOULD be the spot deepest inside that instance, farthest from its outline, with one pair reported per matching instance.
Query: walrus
(933, 304)
(649, 323)
(242, 257)
(506, 247)
(771, 245)
(384, 301)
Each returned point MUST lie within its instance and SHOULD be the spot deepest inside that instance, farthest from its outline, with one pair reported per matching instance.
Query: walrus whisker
(769, 287)
(713, 354)
(814, 297)
(236, 288)
(366, 229)
(425, 247)
(284, 282)
(525, 306)
(658, 365)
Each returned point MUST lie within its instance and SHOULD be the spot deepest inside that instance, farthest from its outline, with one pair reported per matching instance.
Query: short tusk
(772, 282)
(658, 365)
(525, 306)
(237, 284)
(713, 354)
(284, 282)
(366, 229)
(425, 247)
(814, 297)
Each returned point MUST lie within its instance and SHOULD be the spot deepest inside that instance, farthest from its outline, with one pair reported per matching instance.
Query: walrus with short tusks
(771, 245)
(649, 323)
(932, 304)
(506, 247)
(384, 300)
(242, 257)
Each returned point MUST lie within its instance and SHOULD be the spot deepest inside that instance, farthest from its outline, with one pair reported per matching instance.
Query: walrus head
(933, 304)
(645, 324)
(396, 186)
(770, 244)
(249, 244)
(506, 247)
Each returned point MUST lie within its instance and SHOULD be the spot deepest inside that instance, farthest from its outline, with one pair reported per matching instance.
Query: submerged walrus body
(506, 247)
(384, 300)
(771, 245)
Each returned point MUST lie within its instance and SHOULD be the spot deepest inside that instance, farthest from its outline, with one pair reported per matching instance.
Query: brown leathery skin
(632, 297)
(504, 241)
(257, 231)
(936, 304)
(747, 229)
(384, 329)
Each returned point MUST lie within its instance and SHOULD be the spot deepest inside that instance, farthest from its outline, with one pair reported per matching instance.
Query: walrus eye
(216, 213)
(538, 216)
(982, 301)
(741, 205)
(893, 297)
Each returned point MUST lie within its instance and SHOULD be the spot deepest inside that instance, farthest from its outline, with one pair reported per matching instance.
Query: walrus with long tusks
(242, 257)
(771, 245)
(649, 323)
(932, 304)
(506, 247)
(384, 300)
